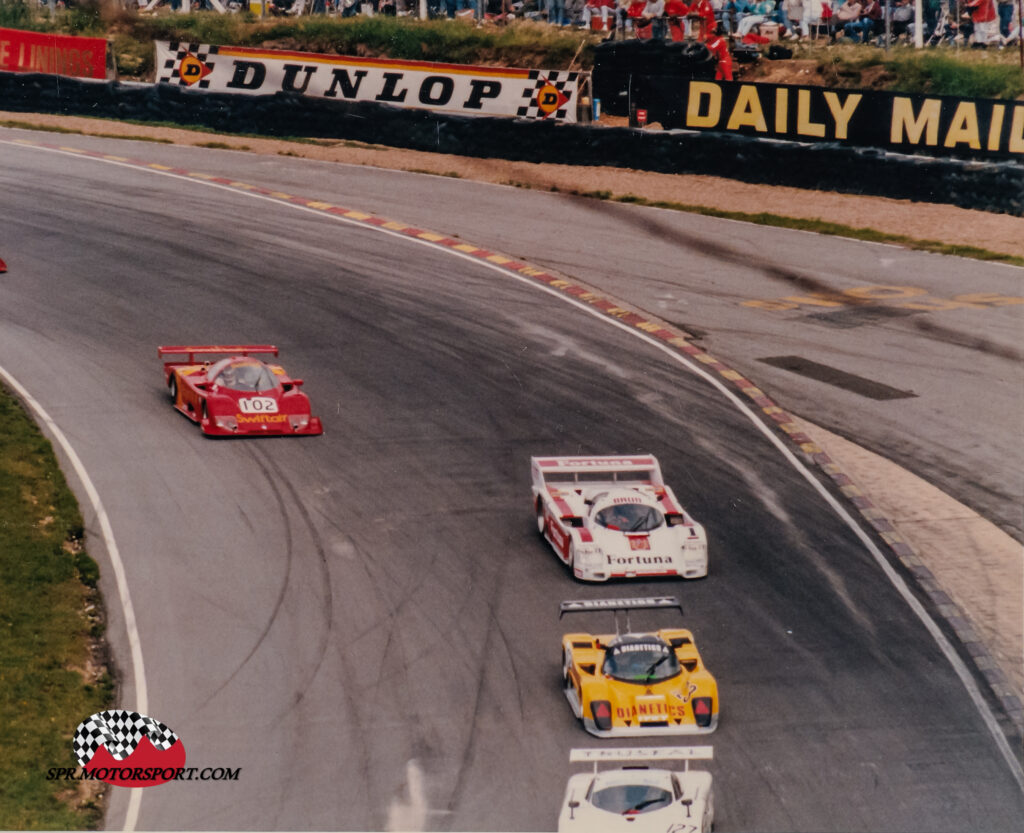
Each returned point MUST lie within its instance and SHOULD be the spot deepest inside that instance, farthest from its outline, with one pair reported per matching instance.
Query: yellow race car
(632, 684)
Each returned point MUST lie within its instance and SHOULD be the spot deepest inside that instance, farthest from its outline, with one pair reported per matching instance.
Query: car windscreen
(630, 799)
(629, 517)
(641, 662)
(251, 377)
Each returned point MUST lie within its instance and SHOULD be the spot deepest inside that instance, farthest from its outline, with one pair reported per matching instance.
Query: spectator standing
(675, 17)
(986, 22)
(1014, 27)
(812, 16)
(719, 47)
(706, 11)
(1005, 8)
(556, 12)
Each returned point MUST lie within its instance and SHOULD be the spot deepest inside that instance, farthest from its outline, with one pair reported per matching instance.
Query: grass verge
(765, 218)
(51, 624)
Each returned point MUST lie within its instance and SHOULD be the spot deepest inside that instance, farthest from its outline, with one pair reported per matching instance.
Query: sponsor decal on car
(649, 712)
(639, 543)
(638, 560)
(633, 647)
(243, 419)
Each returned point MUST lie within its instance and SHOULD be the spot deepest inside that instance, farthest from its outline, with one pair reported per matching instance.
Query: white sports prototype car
(614, 517)
(637, 798)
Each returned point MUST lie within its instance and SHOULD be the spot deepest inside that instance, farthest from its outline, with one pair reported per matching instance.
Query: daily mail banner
(452, 88)
(52, 54)
(944, 125)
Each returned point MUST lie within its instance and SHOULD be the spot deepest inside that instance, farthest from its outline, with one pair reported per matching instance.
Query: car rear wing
(636, 470)
(193, 350)
(649, 753)
(618, 606)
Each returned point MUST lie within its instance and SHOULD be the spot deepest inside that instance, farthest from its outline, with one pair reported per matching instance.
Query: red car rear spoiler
(233, 349)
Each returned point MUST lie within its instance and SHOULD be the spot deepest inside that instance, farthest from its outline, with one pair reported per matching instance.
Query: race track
(337, 615)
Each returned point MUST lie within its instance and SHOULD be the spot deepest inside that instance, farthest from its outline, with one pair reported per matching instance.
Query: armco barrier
(988, 186)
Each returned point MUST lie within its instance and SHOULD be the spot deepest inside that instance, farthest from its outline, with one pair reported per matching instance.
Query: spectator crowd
(979, 23)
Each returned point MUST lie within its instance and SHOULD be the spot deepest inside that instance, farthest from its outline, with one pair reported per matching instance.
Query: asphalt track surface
(323, 611)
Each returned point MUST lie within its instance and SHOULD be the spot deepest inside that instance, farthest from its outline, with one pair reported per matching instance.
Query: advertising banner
(944, 125)
(52, 54)
(451, 88)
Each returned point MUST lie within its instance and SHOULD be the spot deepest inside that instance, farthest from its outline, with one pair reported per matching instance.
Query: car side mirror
(294, 383)
(572, 807)
(686, 802)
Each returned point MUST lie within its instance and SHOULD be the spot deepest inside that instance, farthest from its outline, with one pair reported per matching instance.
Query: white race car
(614, 517)
(637, 798)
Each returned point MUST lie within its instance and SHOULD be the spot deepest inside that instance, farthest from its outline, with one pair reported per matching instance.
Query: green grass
(986, 73)
(766, 218)
(47, 588)
(523, 44)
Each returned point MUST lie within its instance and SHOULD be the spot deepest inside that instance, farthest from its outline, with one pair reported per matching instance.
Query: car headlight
(228, 423)
(299, 422)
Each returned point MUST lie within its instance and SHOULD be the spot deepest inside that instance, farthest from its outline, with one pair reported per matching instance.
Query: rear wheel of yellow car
(566, 665)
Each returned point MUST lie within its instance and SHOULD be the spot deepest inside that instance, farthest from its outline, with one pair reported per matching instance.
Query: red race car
(238, 395)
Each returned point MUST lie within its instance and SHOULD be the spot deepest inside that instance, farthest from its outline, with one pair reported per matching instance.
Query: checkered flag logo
(548, 95)
(189, 66)
(120, 732)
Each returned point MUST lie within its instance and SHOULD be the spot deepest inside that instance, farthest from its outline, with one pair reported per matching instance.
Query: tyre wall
(988, 186)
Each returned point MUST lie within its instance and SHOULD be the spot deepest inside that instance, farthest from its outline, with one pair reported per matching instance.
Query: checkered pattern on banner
(120, 732)
(169, 71)
(558, 79)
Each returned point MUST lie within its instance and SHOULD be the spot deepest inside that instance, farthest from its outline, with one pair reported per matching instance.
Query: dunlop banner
(943, 125)
(52, 54)
(452, 88)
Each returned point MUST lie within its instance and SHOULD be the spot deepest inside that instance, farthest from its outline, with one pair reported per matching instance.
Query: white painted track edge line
(945, 646)
(138, 670)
